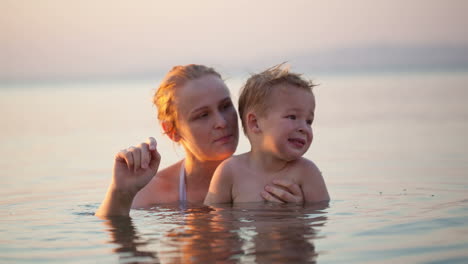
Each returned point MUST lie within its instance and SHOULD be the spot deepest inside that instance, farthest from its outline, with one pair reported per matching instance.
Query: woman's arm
(133, 169)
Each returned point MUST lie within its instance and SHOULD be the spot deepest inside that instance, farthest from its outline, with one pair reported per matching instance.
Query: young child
(277, 110)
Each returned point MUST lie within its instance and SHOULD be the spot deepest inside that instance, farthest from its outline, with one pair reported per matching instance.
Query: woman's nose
(220, 121)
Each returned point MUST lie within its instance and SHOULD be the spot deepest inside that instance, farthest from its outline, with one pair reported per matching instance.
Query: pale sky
(61, 39)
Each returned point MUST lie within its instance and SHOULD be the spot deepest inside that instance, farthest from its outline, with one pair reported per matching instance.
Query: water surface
(392, 149)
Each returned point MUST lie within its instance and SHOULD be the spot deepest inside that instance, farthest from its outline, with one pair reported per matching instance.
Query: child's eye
(309, 122)
(292, 117)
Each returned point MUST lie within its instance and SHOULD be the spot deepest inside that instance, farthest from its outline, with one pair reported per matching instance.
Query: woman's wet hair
(163, 99)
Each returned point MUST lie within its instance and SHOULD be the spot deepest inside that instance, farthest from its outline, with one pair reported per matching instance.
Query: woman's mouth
(297, 142)
(223, 139)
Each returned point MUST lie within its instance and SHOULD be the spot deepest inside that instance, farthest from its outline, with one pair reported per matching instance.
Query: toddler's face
(287, 125)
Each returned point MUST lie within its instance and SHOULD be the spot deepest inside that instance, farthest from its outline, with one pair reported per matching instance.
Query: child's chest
(249, 186)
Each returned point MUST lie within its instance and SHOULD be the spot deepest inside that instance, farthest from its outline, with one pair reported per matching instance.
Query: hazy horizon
(75, 40)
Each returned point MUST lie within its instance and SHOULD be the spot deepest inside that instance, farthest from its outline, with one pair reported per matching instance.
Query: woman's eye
(227, 105)
(202, 115)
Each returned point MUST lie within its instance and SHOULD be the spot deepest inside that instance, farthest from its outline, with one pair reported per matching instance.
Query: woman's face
(207, 120)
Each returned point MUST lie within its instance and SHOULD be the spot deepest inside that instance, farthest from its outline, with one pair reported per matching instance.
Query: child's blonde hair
(163, 99)
(255, 92)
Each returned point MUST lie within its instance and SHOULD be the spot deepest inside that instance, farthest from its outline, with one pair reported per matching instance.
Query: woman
(195, 110)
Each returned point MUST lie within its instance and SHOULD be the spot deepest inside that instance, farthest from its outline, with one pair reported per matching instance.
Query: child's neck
(267, 162)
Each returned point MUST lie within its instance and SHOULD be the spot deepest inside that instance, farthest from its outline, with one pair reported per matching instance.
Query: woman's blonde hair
(255, 92)
(163, 99)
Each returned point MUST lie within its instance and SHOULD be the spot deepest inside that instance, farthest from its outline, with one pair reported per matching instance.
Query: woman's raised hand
(133, 169)
(135, 166)
(283, 191)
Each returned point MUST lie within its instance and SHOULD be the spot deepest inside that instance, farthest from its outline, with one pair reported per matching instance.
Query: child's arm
(220, 190)
(312, 183)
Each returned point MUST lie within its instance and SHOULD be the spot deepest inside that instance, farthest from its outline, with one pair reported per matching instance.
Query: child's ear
(252, 123)
(170, 131)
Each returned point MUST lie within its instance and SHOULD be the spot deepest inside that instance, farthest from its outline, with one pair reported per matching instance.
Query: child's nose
(302, 129)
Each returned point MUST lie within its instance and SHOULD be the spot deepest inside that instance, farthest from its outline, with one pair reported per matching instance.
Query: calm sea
(392, 149)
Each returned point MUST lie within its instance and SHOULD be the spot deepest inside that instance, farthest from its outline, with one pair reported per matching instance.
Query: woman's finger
(155, 158)
(151, 143)
(136, 154)
(285, 194)
(280, 193)
(293, 188)
(269, 197)
(121, 157)
(145, 155)
(128, 158)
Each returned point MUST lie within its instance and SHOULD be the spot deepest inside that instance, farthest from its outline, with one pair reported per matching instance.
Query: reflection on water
(366, 223)
(392, 149)
(247, 233)
(373, 224)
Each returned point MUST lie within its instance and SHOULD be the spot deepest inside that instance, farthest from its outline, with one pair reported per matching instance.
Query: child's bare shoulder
(307, 167)
(232, 162)
(230, 166)
(312, 182)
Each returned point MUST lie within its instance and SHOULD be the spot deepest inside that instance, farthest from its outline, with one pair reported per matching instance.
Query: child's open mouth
(298, 142)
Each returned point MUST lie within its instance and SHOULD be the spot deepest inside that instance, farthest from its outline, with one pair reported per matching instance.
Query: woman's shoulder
(168, 174)
(163, 187)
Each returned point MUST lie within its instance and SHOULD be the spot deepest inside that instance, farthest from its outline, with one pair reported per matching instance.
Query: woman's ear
(252, 123)
(170, 130)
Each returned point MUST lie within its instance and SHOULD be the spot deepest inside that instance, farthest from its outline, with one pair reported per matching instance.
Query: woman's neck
(198, 172)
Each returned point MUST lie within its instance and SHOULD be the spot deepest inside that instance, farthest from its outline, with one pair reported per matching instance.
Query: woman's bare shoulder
(163, 188)
(169, 173)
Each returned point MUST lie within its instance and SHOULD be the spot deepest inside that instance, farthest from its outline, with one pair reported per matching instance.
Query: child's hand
(135, 166)
(283, 191)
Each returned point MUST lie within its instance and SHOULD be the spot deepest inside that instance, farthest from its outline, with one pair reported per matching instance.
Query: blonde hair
(163, 99)
(255, 92)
